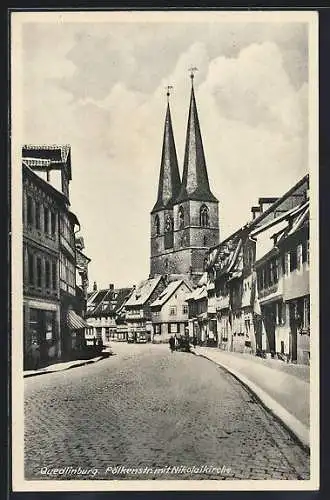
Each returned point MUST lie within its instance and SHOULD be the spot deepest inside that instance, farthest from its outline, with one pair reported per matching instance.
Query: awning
(76, 322)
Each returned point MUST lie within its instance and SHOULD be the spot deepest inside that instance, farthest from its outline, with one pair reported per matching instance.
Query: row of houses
(55, 268)
(252, 297)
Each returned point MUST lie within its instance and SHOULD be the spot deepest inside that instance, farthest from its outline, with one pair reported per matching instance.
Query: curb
(82, 363)
(290, 422)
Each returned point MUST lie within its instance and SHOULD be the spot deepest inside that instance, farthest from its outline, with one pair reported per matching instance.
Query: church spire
(169, 178)
(195, 182)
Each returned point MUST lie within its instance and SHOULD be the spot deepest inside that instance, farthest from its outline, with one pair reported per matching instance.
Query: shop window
(173, 328)
(39, 272)
(204, 216)
(107, 333)
(49, 325)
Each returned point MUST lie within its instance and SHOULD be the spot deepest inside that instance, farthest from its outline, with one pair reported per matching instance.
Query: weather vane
(168, 88)
(192, 70)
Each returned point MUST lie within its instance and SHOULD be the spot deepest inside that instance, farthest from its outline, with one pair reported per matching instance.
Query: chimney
(265, 203)
(255, 212)
(111, 286)
(95, 287)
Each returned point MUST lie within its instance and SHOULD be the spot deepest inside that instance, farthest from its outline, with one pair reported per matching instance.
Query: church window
(204, 216)
(168, 224)
(204, 241)
(181, 218)
(166, 265)
(157, 225)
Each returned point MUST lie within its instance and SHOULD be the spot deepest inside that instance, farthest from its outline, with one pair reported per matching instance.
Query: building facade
(104, 313)
(49, 256)
(170, 311)
(138, 312)
(184, 220)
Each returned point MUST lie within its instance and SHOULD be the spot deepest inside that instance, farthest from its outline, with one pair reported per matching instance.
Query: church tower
(162, 237)
(196, 216)
(184, 220)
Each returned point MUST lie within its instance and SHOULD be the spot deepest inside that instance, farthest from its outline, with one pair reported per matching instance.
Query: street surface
(147, 408)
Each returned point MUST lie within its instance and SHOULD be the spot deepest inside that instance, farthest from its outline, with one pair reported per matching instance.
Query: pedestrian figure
(171, 342)
(35, 351)
(194, 341)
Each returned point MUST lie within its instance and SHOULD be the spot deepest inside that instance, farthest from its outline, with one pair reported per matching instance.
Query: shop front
(42, 344)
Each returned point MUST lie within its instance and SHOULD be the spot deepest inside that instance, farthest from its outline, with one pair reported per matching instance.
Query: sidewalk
(59, 367)
(282, 388)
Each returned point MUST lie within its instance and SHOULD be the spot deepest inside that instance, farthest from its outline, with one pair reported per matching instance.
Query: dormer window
(204, 216)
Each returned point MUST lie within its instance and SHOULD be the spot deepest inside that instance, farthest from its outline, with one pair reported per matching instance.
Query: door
(293, 332)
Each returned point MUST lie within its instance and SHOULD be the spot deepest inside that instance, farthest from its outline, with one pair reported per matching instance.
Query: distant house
(104, 312)
(138, 313)
(170, 311)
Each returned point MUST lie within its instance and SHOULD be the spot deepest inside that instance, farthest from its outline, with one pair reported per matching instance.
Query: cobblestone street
(146, 407)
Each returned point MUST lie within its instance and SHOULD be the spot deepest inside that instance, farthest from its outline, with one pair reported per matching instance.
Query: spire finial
(192, 70)
(168, 88)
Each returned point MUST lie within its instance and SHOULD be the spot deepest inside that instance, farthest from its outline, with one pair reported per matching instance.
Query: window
(157, 329)
(47, 273)
(53, 223)
(168, 224)
(204, 241)
(54, 275)
(299, 256)
(204, 216)
(173, 311)
(29, 210)
(293, 259)
(185, 309)
(287, 263)
(181, 217)
(173, 328)
(38, 222)
(107, 333)
(157, 225)
(280, 320)
(31, 268)
(306, 315)
(46, 219)
(39, 272)
(156, 314)
(307, 252)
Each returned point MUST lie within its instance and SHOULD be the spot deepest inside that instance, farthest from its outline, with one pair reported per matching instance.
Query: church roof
(169, 177)
(195, 182)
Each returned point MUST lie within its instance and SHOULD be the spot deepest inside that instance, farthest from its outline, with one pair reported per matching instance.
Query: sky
(101, 87)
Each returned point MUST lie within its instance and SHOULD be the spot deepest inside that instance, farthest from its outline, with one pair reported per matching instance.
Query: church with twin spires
(185, 217)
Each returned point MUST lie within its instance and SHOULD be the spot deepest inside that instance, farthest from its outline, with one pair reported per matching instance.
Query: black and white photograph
(165, 250)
